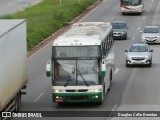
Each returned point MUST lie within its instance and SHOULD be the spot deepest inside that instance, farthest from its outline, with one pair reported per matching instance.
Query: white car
(151, 34)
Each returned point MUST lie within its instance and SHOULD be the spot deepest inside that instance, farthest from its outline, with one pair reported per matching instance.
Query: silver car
(139, 54)
(151, 34)
(119, 29)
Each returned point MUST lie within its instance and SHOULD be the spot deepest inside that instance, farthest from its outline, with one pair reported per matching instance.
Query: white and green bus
(82, 63)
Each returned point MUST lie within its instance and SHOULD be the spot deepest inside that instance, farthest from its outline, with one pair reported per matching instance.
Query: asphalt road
(12, 6)
(135, 88)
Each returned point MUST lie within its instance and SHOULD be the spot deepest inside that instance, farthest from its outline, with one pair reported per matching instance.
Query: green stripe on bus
(78, 97)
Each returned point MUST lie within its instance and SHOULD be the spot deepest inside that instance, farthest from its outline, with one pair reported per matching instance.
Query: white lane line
(38, 97)
(150, 5)
(144, 18)
(113, 109)
(89, 13)
(112, 19)
(133, 38)
(138, 28)
(116, 71)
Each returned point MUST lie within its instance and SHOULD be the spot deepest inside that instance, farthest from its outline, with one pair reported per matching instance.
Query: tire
(150, 63)
(123, 13)
(125, 37)
(140, 13)
(111, 76)
(109, 88)
(127, 65)
(18, 102)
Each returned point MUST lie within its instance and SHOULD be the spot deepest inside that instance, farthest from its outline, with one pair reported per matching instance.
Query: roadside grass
(47, 17)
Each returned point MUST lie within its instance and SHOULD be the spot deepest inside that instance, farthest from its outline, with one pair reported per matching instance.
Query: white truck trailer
(13, 63)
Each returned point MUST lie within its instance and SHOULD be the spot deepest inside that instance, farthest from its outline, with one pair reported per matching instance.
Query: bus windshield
(76, 72)
(131, 2)
(76, 52)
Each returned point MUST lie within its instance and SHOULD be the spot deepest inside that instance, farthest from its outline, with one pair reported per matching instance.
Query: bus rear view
(131, 6)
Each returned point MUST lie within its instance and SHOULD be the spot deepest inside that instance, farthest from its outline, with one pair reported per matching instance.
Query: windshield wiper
(82, 78)
(70, 76)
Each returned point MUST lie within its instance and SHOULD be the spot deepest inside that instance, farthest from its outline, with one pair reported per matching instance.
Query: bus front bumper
(76, 97)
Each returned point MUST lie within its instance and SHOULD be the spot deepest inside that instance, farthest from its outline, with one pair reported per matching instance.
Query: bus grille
(82, 90)
(76, 97)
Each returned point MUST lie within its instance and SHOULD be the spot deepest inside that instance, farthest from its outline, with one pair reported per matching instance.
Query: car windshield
(118, 25)
(151, 30)
(138, 48)
(131, 2)
(75, 72)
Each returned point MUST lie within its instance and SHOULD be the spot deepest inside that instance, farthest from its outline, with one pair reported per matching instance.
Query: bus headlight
(95, 90)
(57, 91)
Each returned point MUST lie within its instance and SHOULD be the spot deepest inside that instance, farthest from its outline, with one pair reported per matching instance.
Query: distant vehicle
(80, 59)
(131, 6)
(119, 29)
(13, 64)
(139, 54)
(151, 34)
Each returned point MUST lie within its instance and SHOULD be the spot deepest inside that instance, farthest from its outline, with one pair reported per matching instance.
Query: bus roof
(84, 33)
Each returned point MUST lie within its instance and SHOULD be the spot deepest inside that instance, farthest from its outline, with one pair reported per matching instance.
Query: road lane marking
(144, 18)
(138, 28)
(116, 71)
(38, 97)
(113, 109)
(89, 13)
(133, 38)
(150, 5)
(112, 19)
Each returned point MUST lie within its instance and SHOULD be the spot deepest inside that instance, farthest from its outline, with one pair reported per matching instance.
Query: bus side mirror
(48, 69)
(103, 68)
